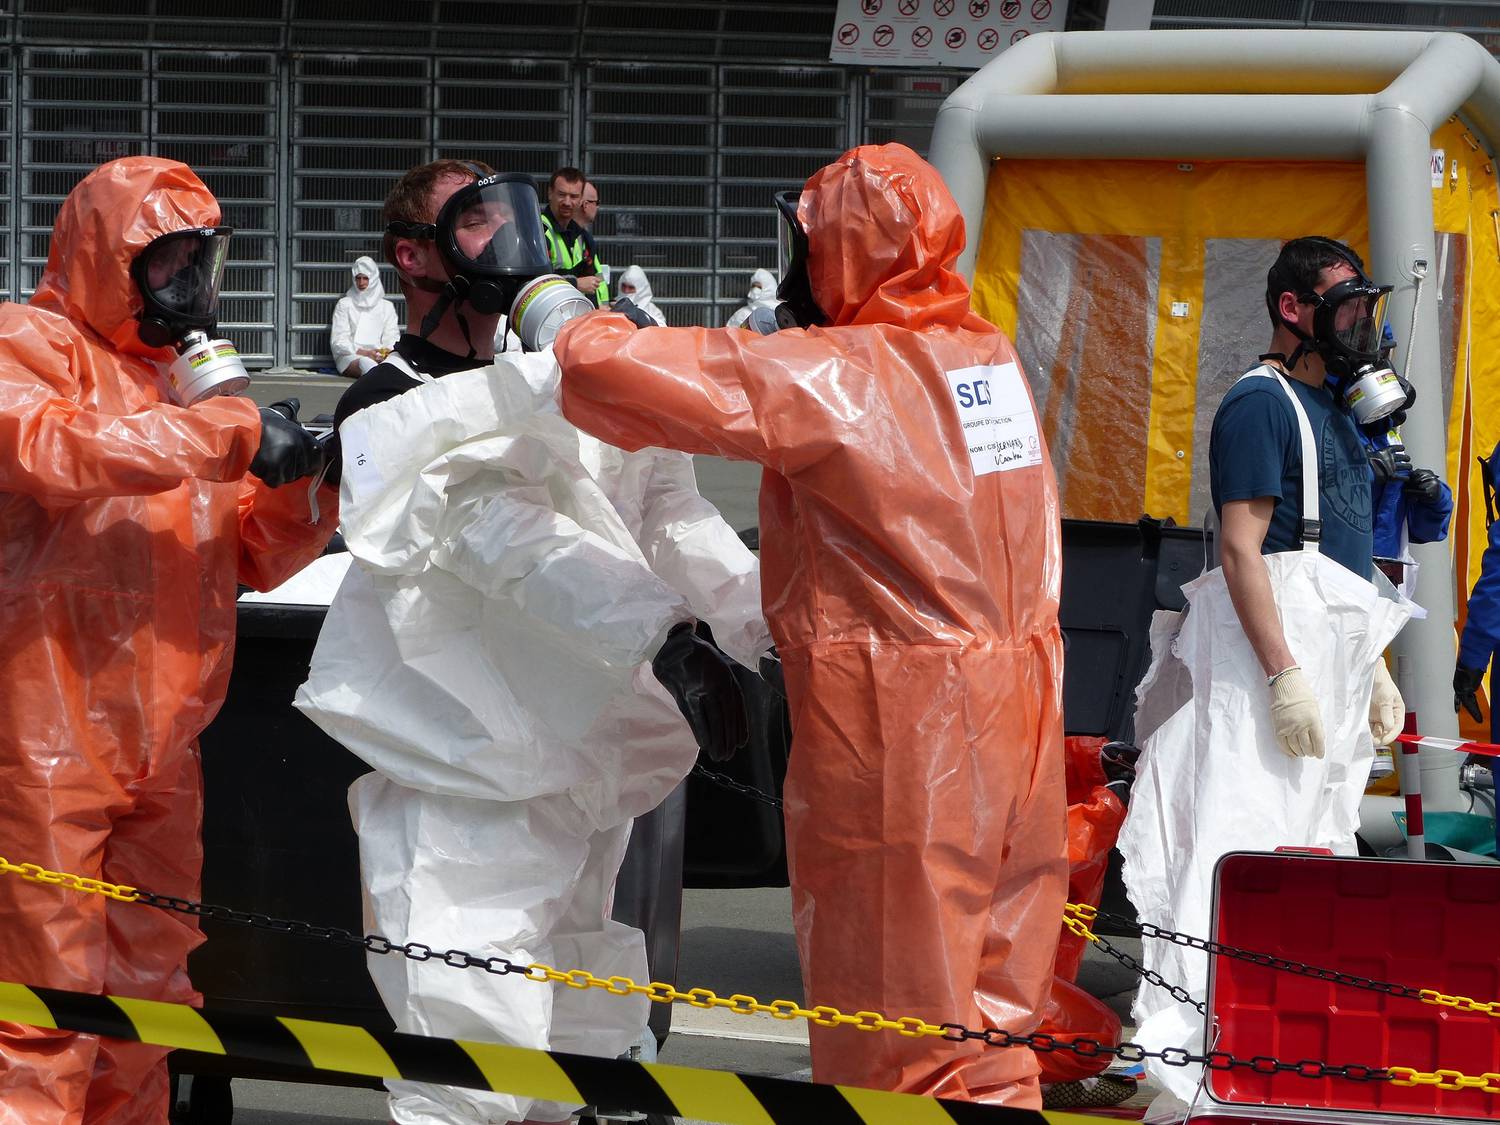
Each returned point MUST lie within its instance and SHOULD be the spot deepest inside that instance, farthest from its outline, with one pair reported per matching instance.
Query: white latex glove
(1387, 708)
(1295, 715)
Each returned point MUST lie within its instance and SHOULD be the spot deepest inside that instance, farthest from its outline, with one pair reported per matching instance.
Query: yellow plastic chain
(1077, 918)
(660, 993)
(33, 873)
(1486, 1083)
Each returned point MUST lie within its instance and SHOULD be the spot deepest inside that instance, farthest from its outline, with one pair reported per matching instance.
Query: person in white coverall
(762, 294)
(1266, 697)
(521, 594)
(634, 285)
(364, 325)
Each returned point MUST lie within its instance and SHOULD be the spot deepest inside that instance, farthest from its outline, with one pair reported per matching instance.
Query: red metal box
(1427, 925)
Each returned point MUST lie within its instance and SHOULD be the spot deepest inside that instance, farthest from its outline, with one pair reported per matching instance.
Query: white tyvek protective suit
(1212, 778)
(762, 294)
(489, 656)
(363, 318)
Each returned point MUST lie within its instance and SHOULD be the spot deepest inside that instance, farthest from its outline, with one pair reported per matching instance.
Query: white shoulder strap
(1312, 523)
(395, 359)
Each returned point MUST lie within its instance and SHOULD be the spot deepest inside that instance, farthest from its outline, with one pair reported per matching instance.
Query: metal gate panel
(7, 173)
(649, 136)
(79, 108)
(513, 114)
(699, 30)
(228, 23)
(358, 123)
(494, 27)
(902, 105)
(239, 166)
(777, 126)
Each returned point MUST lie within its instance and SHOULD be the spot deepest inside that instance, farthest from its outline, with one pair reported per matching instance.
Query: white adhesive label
(999, 423)
(361, 474)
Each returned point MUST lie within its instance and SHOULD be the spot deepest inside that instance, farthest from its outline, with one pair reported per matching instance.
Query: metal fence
(301, 114)
(1481, 20)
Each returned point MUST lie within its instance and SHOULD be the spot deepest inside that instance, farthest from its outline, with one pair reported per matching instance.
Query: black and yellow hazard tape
(676, 1091)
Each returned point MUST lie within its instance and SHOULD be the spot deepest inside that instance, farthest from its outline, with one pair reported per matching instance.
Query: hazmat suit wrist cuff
(1271, 680)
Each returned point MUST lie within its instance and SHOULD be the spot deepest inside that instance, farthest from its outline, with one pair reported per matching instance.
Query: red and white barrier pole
(1409, 762)
(1411, 744)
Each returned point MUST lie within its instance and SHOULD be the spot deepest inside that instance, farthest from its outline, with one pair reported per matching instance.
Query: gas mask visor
(178, 276)
(1348, 325)
(490, 236)
(1349, 318)
(797, 309)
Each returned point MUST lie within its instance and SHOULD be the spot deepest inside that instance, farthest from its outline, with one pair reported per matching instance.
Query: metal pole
(1402, 252)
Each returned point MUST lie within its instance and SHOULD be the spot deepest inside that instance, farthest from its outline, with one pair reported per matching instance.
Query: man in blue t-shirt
(1231, 761)
(1255, 473)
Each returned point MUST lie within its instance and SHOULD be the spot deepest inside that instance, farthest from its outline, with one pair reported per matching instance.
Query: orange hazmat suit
(125, 523)
(910, 575)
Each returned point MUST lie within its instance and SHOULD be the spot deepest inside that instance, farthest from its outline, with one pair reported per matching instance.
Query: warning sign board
(957, 33)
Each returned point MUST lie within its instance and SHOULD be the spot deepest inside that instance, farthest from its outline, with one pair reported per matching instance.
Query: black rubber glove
(287, 452)
(1466, 683)
(702, 682)
(633, 312)
(1424, 486)
(1391, 463)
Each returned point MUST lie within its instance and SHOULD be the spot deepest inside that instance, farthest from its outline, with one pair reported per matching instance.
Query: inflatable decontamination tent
(1125, 195)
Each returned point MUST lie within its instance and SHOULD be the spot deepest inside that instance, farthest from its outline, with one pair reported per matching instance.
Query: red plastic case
(1428, 925)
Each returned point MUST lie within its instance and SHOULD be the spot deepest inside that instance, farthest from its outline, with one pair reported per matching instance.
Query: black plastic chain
(1180, 994)
(373, 943)
(724, 781)
(1171, 1056)
(994, 1037)
(1265, 960)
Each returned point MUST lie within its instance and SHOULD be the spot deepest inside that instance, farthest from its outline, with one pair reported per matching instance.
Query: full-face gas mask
(797, 309)
(1348, 322)
(178, 277)
(489, 235)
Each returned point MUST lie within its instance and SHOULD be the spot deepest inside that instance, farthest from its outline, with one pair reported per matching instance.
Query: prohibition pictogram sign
(1041, 9)
(979, 8)
(848, 34)
(883, 35)
(988, 39)
(942, 7)
(921, 36)
(955, 37)
(1010, 9)
(870, 7)
(1018, 36)
(908, 7)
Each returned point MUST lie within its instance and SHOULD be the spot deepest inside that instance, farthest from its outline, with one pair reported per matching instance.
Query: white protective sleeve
(689, 544)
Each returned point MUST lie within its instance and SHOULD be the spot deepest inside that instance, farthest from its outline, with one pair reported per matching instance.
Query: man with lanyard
(1263, 698)
(569, 245)
(513, 652)
(1480, 640)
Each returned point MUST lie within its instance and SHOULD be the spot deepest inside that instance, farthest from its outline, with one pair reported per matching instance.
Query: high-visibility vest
(569, 258)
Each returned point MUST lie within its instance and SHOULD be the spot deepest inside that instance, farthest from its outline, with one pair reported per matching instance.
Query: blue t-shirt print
(1255, 450)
